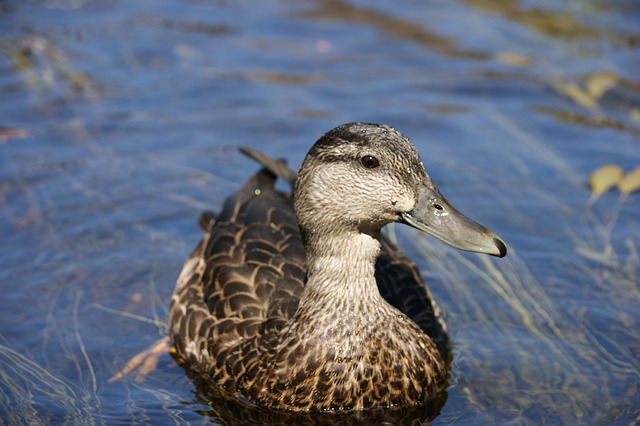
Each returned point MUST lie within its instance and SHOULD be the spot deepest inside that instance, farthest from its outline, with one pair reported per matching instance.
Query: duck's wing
(247, 273)
(400, 284)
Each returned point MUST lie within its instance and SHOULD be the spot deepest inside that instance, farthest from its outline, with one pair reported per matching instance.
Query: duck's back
(244, 281)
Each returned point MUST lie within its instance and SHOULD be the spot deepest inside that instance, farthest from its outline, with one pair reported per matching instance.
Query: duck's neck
(342, 267)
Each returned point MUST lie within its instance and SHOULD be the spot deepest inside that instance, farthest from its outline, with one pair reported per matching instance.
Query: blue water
(120, 122)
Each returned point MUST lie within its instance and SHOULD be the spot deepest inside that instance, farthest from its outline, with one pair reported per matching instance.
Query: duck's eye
(438, 207)
(369, 161)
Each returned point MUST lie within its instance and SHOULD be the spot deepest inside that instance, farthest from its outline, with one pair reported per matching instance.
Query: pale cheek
(402, 204)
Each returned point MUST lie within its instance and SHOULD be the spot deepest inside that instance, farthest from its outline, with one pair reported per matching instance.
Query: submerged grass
(542, 349)
(33, 392)
(30, 394)
(552, 358)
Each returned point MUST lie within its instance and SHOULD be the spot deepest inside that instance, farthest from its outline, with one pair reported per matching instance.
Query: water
(119, 123)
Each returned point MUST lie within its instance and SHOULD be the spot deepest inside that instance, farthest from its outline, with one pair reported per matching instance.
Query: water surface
(120, 122)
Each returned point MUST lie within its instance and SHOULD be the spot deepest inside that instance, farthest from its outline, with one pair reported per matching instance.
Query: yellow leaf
(598, 83)
(514, 59)
(604, 178)
(576, 94)
(630, 182)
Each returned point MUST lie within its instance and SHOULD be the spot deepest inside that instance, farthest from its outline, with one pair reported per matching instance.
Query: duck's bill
(434, 215)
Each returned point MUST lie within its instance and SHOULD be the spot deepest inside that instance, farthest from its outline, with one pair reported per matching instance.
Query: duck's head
(360, 177)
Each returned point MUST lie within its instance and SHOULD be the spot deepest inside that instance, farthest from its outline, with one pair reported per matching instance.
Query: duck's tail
(263, 181)
(278, 167)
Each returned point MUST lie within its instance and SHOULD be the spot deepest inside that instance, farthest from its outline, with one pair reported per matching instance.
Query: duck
(299, 302)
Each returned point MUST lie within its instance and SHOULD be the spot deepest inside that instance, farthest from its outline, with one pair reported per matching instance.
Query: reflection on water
(400, 29)
(547, 21)
(119, 123)
(232, 411)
